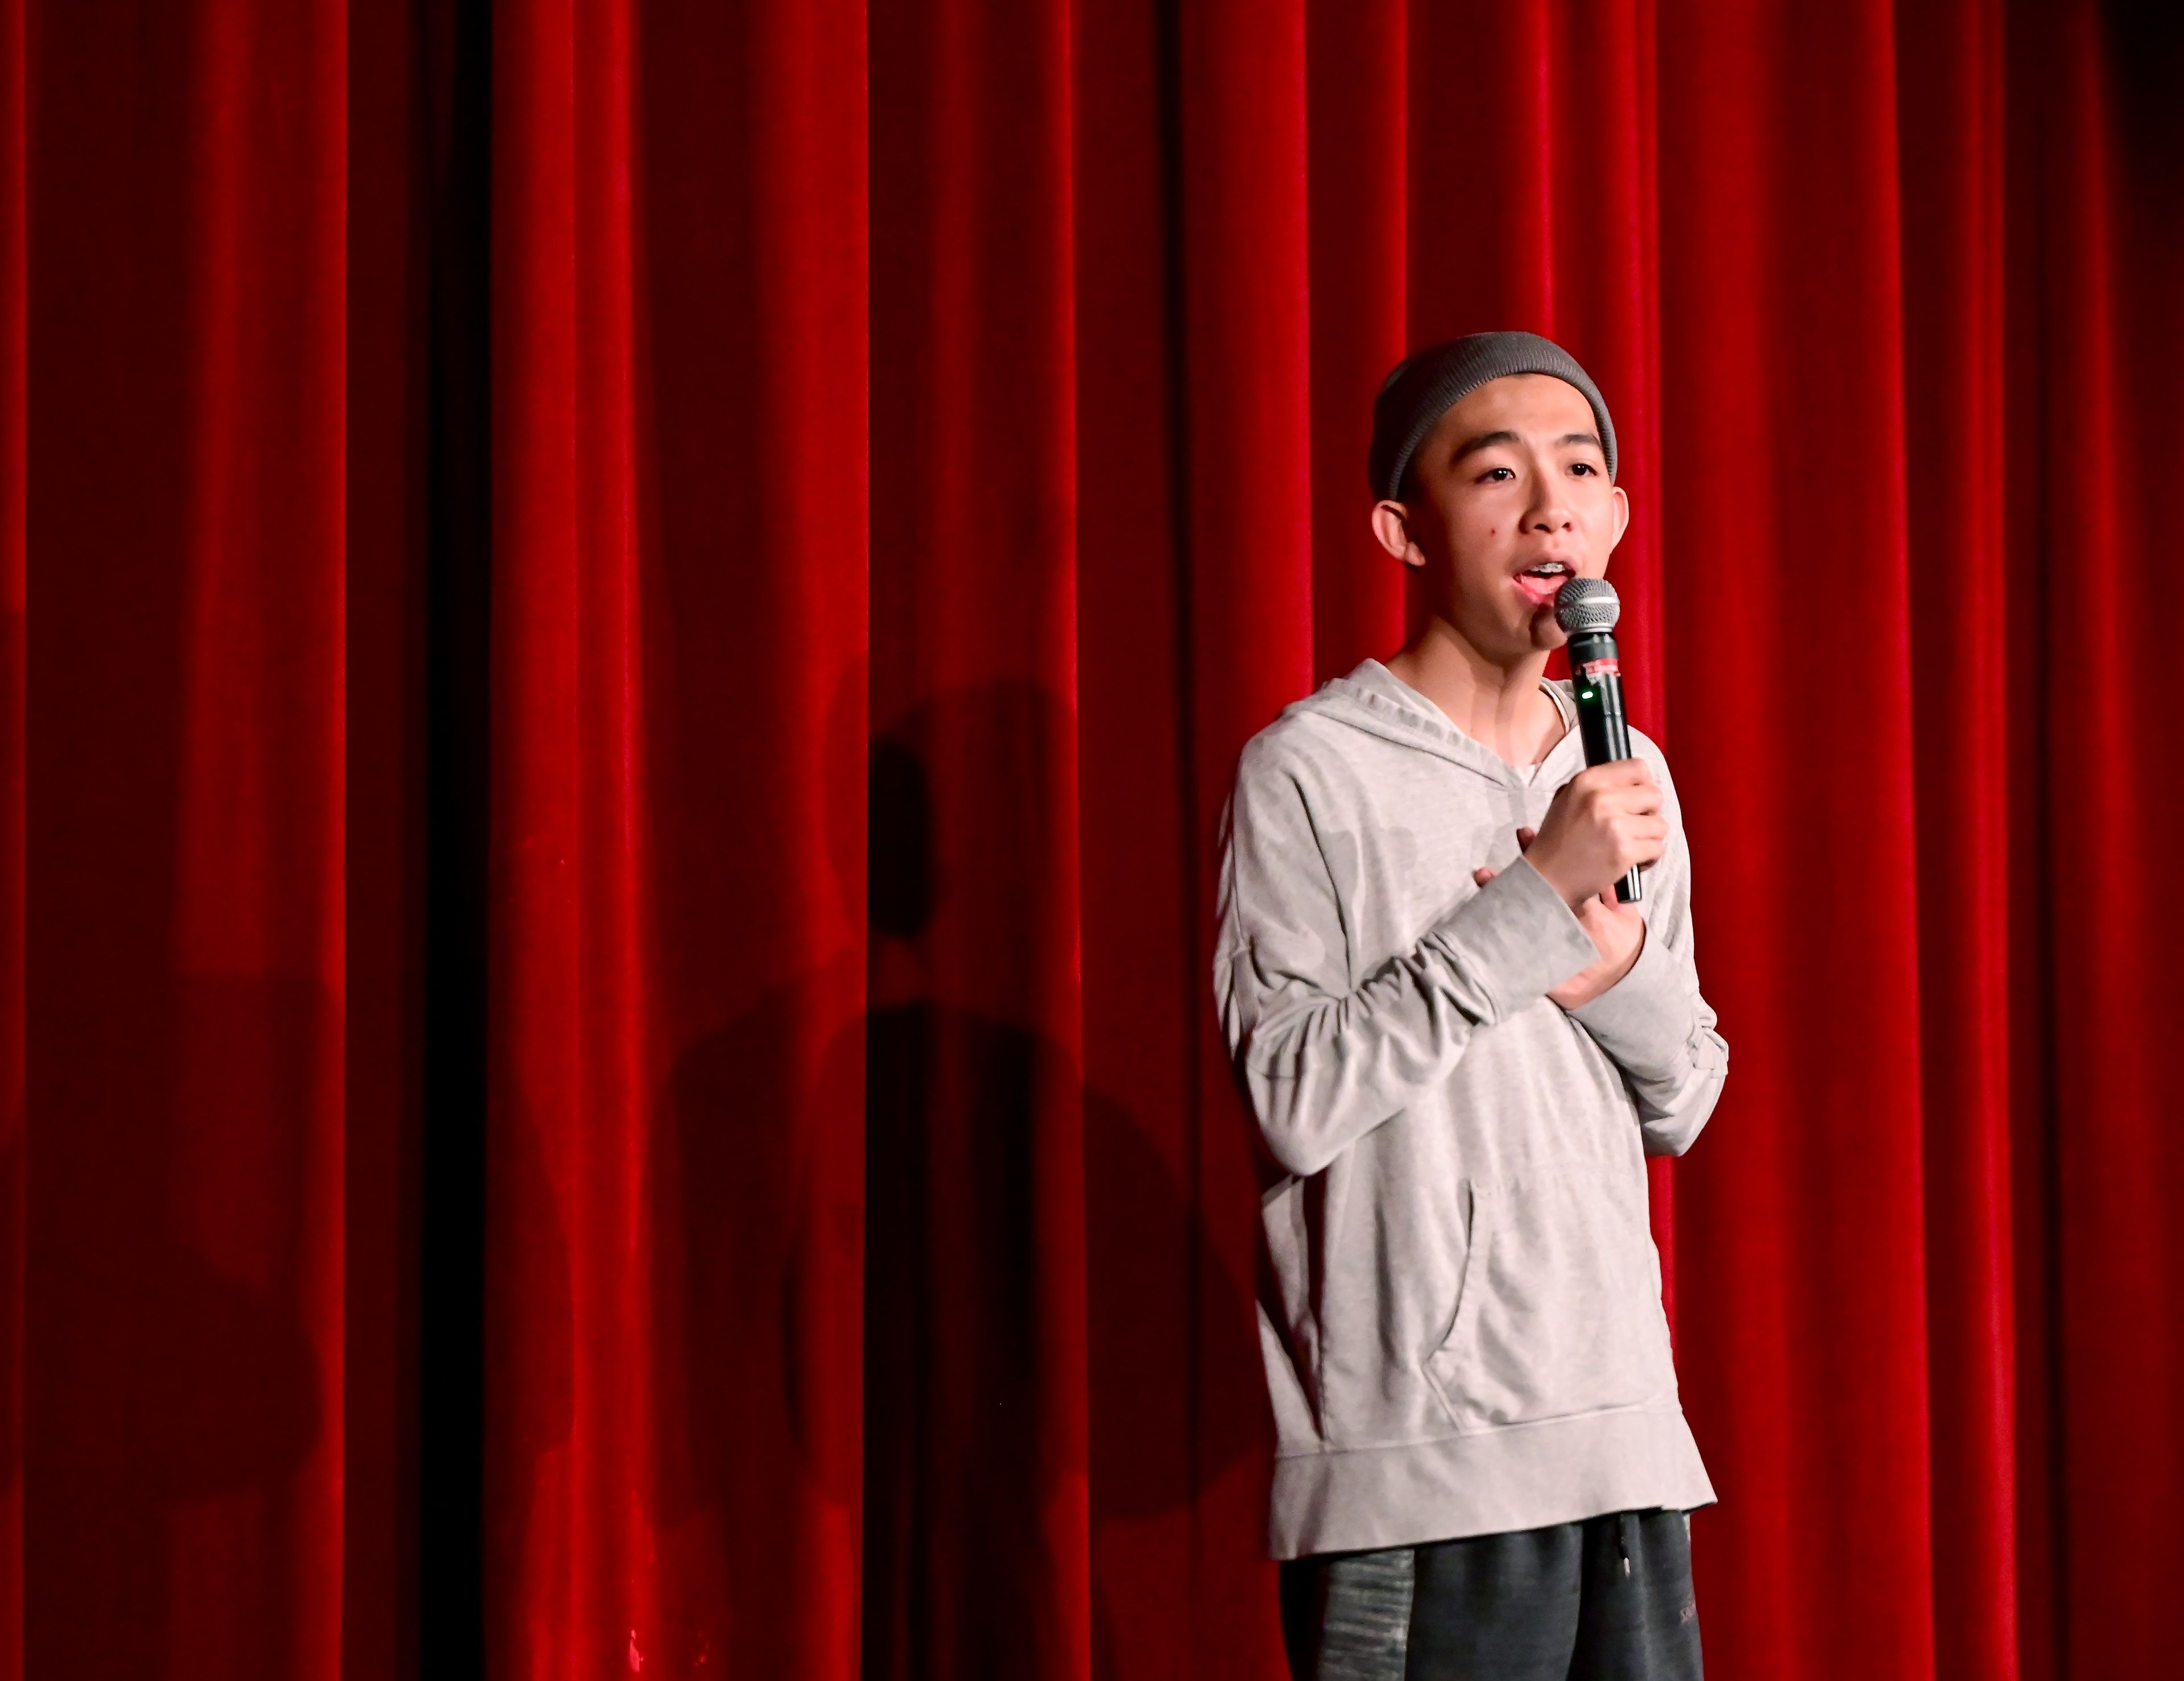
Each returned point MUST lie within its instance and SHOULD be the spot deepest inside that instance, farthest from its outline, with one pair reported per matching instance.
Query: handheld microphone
(1587, 608)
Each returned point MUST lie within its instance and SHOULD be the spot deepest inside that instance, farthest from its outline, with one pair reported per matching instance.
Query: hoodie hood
(1375, 699)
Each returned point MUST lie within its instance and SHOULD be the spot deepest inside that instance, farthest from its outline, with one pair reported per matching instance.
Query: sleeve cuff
(1643, 1020)
(1514, 939)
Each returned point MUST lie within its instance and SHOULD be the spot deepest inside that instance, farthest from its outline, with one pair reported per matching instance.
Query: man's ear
(1622, 515)
(1392, 527)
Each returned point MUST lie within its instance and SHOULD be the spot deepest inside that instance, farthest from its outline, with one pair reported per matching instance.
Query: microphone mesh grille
(1587, 605)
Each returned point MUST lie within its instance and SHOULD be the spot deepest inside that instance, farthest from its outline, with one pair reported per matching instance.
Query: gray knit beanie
(1427, 383)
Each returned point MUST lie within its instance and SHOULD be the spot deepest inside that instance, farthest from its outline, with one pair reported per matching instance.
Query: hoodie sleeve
(1653, 1023)
(1322, 1061)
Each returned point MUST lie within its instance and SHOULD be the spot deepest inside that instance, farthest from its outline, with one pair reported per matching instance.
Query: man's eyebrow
(1484, 440)
(1487, 440)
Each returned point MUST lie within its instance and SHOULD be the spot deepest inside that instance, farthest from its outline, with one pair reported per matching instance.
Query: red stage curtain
(627, 626)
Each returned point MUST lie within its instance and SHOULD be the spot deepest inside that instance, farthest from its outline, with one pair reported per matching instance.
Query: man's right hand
(1603, 822)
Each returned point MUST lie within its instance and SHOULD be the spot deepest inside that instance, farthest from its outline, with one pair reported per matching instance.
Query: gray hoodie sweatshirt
(1461, 1321)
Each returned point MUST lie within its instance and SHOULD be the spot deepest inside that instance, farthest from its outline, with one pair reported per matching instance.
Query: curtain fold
(626, 625)
(1950, 100)
(14, 117)
(973, 1300)
(2111, 355)
(1801, 1260)
(182, 1362)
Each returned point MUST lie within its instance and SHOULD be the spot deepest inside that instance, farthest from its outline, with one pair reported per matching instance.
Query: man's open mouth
(1543, 581)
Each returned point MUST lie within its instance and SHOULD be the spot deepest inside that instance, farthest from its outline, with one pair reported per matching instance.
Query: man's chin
(1506, 640)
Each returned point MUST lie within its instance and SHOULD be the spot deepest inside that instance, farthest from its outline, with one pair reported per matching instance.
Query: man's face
(1508, 498)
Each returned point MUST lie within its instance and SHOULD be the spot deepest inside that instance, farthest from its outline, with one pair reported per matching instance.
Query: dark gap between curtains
(454, 63)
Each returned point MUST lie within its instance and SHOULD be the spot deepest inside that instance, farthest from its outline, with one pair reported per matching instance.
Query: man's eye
(1584, 467)
(1499, 473)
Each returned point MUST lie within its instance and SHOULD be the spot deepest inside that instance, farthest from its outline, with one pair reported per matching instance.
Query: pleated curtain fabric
(627, 623)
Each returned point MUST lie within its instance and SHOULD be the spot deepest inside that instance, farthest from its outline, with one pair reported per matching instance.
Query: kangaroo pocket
(1559, 1311)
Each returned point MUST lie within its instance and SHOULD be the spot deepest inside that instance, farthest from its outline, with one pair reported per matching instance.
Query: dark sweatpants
(1606, 1600)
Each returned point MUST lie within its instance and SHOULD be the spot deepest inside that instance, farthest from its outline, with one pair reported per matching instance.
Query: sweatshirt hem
(1524, 1476)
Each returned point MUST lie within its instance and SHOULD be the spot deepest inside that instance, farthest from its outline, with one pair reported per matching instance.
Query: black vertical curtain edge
(456, 45)
(1168, 25)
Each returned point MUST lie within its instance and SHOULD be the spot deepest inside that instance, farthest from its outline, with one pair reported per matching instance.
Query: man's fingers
(1643, 840)
(1629, 808)
(1482, 875)
(1618, 773)
(1625, 785)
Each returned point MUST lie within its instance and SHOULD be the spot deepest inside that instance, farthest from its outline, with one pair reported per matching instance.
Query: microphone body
(1587, 608)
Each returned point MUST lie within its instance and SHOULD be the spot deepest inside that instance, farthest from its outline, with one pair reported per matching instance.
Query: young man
(1460, 1049)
